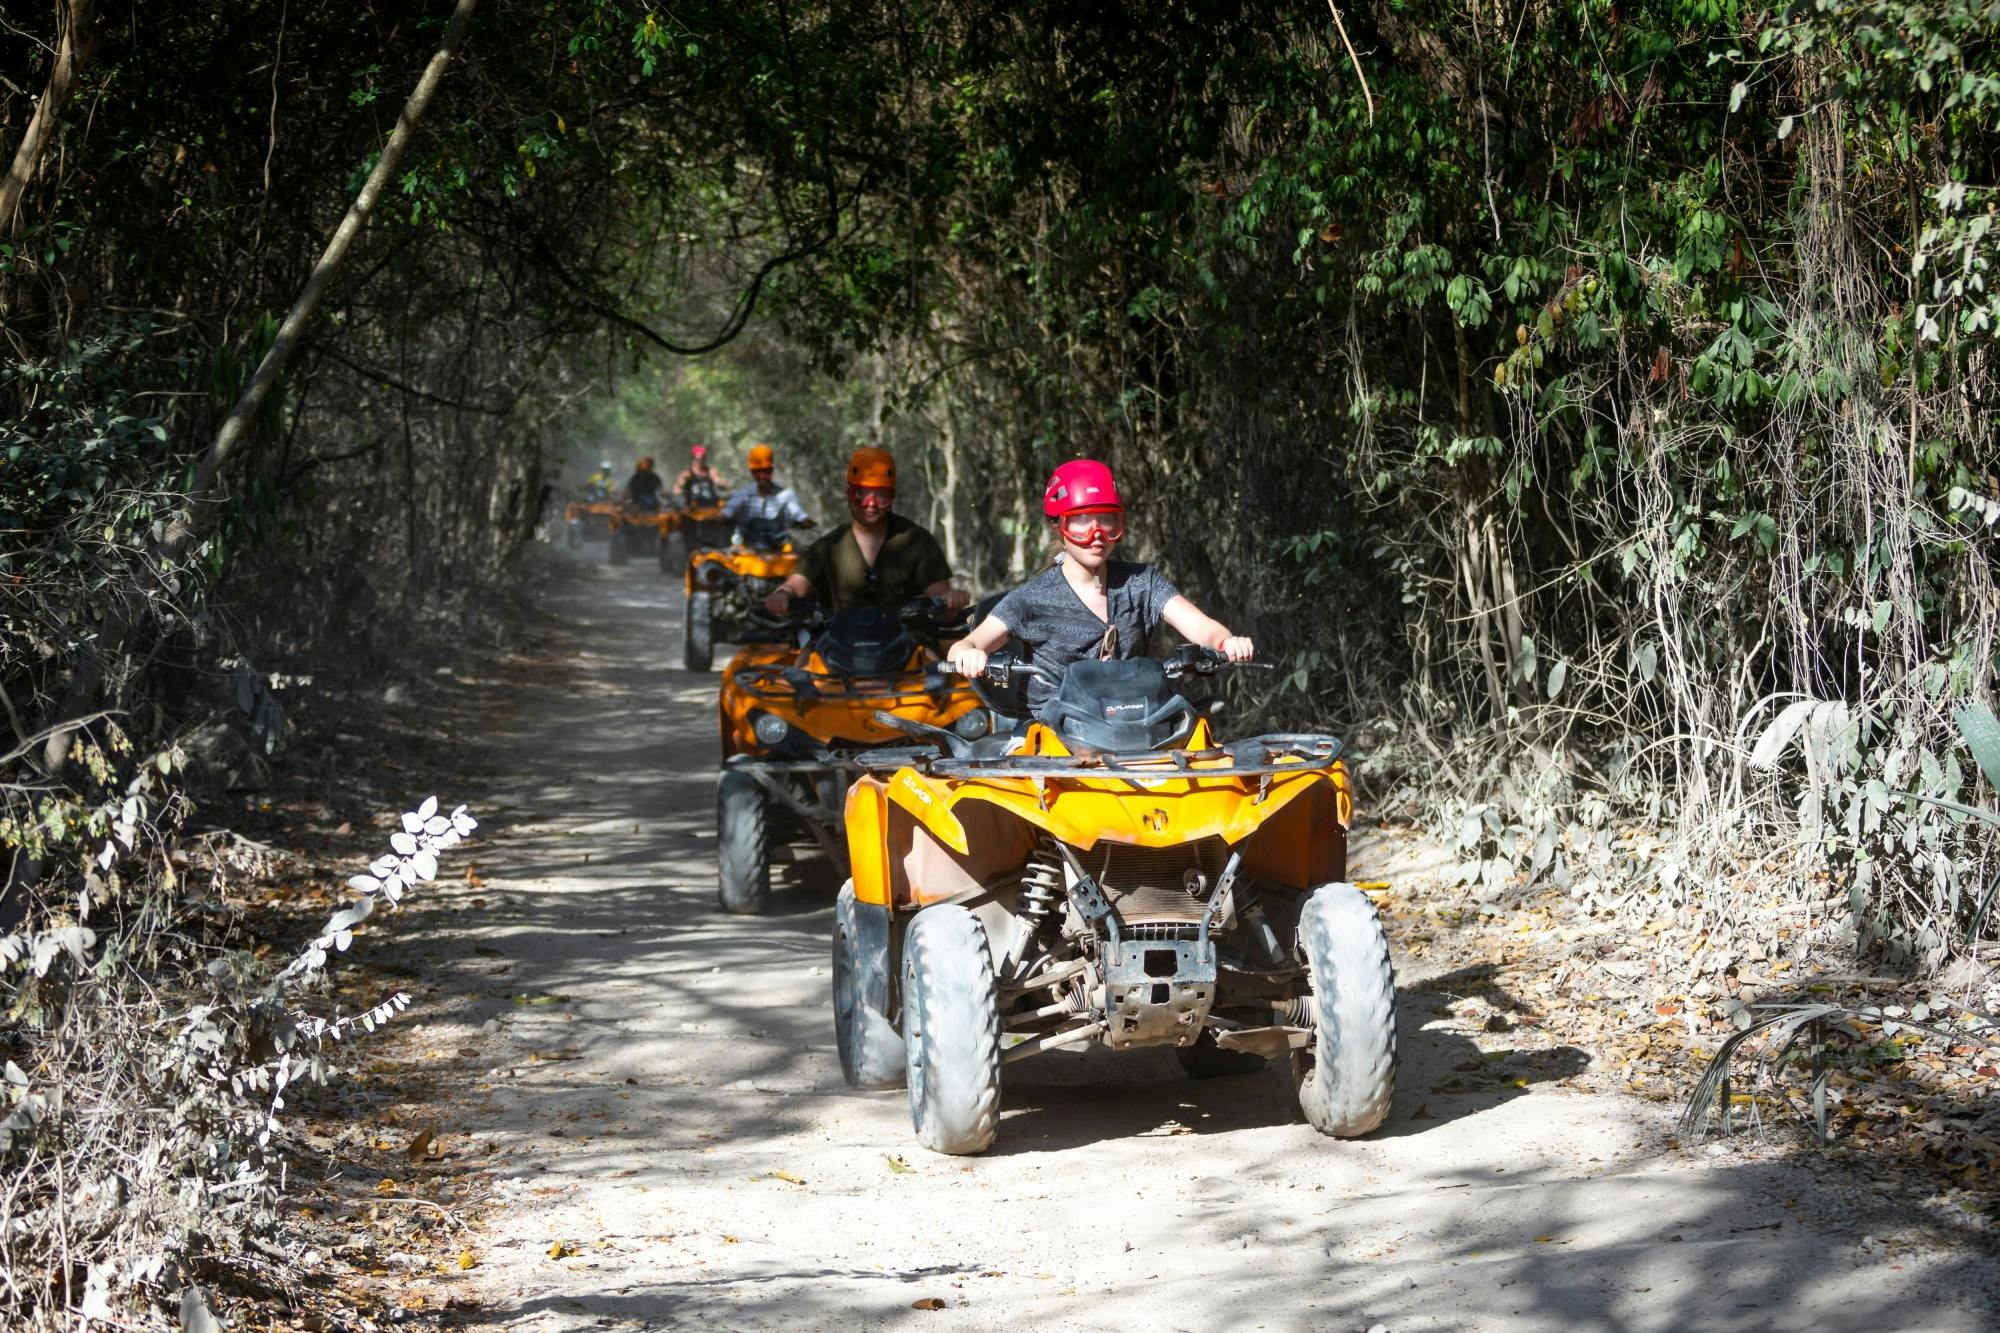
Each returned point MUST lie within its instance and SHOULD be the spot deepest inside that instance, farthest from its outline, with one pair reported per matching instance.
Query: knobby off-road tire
(1345, 1079)
(698, 633)
(614, 548)
(742, 847)
(871, 1050)
(1205, 1059)
(951, 1031)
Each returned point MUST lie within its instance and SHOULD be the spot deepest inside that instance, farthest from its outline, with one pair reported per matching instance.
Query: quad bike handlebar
(1005, 668)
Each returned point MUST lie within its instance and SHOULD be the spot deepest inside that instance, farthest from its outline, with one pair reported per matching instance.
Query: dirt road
(662, 1087)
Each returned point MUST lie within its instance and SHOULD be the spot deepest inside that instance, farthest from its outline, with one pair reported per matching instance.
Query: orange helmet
(760, 457)
(869, 466)
(646, 463)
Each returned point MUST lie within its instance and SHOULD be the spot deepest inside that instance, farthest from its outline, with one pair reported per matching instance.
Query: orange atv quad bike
(726, 588)
(794, 718)
(1110, 874)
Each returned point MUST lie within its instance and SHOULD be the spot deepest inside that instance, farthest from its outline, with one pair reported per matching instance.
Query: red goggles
(1086, 528)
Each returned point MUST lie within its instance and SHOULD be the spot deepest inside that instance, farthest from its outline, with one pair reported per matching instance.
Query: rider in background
(880, 559)
(597, 485)
(1087, 605)
(762, 512)
(698, 485)
(643, 488)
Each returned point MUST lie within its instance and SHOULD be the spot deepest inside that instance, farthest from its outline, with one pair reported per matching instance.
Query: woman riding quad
(763, 511)
(880, 560)
(1087, 605)
(699, 485)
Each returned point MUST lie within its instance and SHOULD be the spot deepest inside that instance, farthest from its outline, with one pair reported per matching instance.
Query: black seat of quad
(1118, 707)
(865, 643)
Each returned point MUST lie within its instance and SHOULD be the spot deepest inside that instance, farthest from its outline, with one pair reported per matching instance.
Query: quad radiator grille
(1149, 883)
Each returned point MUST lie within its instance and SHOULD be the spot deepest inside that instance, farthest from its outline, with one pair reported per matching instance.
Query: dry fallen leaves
(466, 1259)
(899, 1166)
(927, 1303)
(562, 1249)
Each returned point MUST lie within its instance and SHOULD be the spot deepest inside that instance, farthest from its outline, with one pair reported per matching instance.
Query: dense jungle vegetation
(1587, 402)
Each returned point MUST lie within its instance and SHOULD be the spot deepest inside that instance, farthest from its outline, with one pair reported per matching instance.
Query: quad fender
(915, 839)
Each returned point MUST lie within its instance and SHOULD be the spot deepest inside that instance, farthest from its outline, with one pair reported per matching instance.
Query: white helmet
(605, 466)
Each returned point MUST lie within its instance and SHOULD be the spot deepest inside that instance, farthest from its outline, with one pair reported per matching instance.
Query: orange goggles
(1086, 528)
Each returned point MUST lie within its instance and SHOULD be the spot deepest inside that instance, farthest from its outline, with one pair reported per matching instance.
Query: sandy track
(674, 1060)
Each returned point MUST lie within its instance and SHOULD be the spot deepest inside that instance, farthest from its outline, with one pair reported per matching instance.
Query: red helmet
(699, 451)
(1081, 483)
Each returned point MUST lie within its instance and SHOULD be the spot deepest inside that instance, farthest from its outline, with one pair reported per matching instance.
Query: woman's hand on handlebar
(967, 661)
(1236, 647)
(779, 603)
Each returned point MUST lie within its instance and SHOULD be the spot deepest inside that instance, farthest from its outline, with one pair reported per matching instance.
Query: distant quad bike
(726, 588)
(634, 530)
(794, 717)
(1113, 875)
(588, 518)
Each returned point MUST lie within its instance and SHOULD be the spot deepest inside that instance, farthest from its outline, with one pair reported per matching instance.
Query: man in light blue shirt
(761, 512)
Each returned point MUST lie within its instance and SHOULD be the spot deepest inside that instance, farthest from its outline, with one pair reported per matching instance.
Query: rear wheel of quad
(669, 563)
(951, 1031)
(1345, 1078)
(743, 854)
(614, 550)
(871, 1050)
(697, 633)
(1205, 1059)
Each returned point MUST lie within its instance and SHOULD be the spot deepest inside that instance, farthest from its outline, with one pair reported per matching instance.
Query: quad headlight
(771, 730)
(973, 725)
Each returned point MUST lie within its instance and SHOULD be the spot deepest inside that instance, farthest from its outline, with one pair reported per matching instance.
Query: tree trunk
(76, 20)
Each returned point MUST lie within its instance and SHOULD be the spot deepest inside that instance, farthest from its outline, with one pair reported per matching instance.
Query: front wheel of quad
(1345, 1078)
(743, 854)
(698, 633)
(871, 1050)
(951, 1031)
(1205, 1059)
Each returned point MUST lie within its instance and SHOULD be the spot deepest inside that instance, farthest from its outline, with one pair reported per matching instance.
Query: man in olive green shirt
(880, 560)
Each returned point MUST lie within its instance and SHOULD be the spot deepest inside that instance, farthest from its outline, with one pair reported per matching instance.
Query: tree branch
(79, 40)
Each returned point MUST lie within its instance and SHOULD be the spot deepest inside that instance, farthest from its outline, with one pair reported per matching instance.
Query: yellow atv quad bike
(635, 530)
(1111, 873)
(726, 588)
(702, 526)
(668, 523)
(587, 519)
(794, 718)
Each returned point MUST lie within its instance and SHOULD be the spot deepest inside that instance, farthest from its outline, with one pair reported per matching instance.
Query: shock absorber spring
(1041, 886)
(1040, 890)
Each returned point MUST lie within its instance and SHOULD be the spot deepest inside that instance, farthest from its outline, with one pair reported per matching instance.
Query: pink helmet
(1081, 483)
(699, 451)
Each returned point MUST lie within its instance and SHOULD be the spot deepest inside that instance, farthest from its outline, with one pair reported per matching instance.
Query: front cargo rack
(1254, 756)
